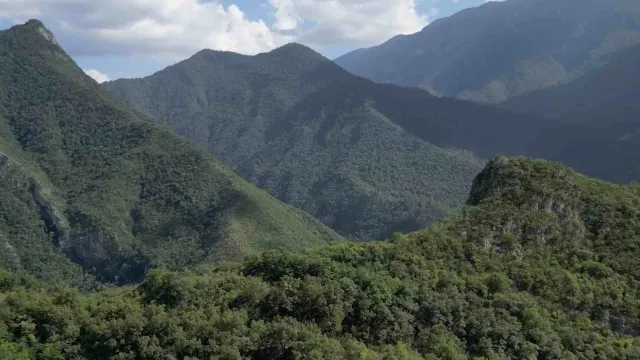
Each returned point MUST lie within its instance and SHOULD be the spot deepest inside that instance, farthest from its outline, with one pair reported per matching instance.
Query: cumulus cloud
(174, 29)
(97, 75)
(353, 22)
(164, 28)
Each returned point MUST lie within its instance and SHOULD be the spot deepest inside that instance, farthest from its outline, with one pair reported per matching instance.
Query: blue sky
(134, 38)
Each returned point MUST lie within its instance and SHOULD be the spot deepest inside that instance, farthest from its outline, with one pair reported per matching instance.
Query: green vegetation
(594, 125)
(501, 50)
(86, 183)
(542, 264)
(357, 155)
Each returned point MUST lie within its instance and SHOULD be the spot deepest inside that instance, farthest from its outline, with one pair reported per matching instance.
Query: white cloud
(97, 75)
(162, 28)
(175, 29)
(352, 22)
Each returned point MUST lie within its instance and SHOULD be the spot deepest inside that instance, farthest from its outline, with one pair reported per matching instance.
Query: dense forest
(541, 264)
(122, 240)
(88, 186)
(367, 159)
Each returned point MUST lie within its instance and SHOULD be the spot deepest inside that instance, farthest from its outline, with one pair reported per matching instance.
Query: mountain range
(572, 65)
(503, 49)
(594, 121)
(90, 187)
(367, 159)
(123, 237)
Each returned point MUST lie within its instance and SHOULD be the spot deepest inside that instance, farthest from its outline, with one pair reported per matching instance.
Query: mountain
(593, 121)
(503, 49)
(88, 186)
(366, 159)
(542, 264)
(590, 96)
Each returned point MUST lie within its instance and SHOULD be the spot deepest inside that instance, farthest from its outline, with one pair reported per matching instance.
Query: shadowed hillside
(366, 159)
(594, 121)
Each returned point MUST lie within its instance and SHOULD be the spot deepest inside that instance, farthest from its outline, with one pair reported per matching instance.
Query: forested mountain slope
(88, 186)
(612, 85)
(543, 264)
(365, 158)
(503, 49)
(594, 121)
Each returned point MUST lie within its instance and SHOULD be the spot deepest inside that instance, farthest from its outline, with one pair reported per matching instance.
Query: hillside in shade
(90, 187)
(503, 49)
(594, 121)
(366, 159)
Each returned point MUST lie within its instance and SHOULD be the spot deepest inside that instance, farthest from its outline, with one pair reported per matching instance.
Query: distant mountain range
(88, 187)
(503, 49)
(367, 159)
(593, 121)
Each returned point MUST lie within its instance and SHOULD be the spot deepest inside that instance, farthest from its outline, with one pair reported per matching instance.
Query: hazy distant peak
(501, 50)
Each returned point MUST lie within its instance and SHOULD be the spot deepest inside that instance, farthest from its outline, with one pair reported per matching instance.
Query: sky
(111, 39)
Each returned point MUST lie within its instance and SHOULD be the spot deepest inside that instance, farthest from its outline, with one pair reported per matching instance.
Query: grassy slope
(125, 195)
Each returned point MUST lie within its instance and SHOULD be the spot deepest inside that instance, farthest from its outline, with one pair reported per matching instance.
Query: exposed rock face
(539, 203)
(545, 187)
(92, 248)
(54, 219)
(100, 255)
(519, 207)
(48, 35)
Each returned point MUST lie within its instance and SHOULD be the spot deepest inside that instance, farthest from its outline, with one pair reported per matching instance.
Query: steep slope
(592, 95)
(86, 178)
(367, 159)
(543, 264)
(596, 119)
(503, 49)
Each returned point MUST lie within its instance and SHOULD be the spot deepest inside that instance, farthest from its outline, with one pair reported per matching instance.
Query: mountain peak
(34, 27)
(520, 179)
(294, 46)
(34, 22)
(297, 49)
(293, 58)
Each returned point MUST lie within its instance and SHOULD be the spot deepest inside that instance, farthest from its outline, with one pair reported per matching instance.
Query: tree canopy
(541, 264)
